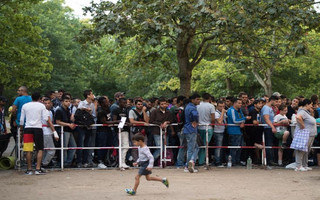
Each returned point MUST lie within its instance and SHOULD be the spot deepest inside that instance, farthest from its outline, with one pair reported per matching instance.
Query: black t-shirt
(290, 112)
(103, 113)
(255, 115)
(64, 116)
(120, 112)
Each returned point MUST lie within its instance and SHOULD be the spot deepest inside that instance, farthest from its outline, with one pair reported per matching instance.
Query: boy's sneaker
(165, 181)
(190, 166)
(28, 172)
(39, 172)
(102, 166)
(130, 191)
(195, 170)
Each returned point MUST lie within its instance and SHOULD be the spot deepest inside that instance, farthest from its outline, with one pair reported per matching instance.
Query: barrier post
(207, 144)
(161, 148)
(120, 148)
(62, 149)
(19, 149)
(263, 153)
(165, 148)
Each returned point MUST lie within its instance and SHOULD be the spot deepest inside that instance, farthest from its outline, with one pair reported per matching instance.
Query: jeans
(218, 137)
(68, 141)
(192, 146)
(182, 150)
(83, 141)
(101, 141)
(91, 143)
(157, 142)
(269, 138)
(202, 151)
(235, 140)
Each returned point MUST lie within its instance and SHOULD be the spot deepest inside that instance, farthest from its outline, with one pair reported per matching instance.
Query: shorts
(32, 136)
(279, 136)
(143, 168)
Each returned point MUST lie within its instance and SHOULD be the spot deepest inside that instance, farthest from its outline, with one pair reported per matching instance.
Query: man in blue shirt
(19, 102)
(190, 130)
(235, 116)
(267, 116)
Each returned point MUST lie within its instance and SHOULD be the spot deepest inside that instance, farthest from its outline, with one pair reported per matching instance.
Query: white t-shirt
(219, 129)
(277, 119)
(34, 113)
(46, 129)
(205, 109)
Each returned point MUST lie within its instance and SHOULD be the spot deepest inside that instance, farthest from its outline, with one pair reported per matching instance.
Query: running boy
(282, 132)
(145, 161)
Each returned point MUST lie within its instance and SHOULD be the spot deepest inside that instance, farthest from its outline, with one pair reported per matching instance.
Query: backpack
(83, 117)
(178, 116)
(137, 129)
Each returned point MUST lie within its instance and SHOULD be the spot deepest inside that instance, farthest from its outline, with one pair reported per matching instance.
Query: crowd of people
(194, 118)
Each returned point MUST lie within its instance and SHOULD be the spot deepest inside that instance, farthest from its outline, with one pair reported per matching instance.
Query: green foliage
(60, 27)
(23, 52)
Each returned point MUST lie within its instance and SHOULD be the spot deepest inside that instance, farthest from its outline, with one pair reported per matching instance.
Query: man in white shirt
(206, 116)
(34, 112)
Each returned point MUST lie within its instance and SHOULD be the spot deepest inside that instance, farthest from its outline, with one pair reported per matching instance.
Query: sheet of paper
(122, 122)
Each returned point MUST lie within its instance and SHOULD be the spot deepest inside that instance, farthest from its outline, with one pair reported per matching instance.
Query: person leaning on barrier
(104, 134)
(49, 133)
(235, 116)
(162, 117)
(206, 117)
(116, 114)
(255, 132)
(86, 137)
(218, 131)
(138, 116)
(63, 118)
(32, 114)
(267, 117)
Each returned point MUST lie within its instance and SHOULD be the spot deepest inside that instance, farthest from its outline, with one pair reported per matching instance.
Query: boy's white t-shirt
(278, 118)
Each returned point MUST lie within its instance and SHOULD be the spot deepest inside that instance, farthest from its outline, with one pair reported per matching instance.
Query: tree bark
(1, 89)
(265, 82)
(184, 41)
(229, 85)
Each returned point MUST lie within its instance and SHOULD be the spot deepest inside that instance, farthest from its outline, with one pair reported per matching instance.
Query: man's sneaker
(85, 165)
(220, 166)
(125, 166)
(308, 168)
(102, 166)
(130, 191)
(190, 166)
(165, 181)
(39, 172)
(284, 146)
(186, 169)
(28, 172)
(301, 169)
(79, 165)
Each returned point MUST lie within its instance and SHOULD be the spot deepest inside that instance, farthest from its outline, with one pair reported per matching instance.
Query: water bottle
(229, 162)
(249, 163)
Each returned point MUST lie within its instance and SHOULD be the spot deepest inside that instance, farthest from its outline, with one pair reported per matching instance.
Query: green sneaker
(165, 181)
(130, 191)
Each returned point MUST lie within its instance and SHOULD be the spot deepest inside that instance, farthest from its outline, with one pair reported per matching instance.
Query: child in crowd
(282, 134)
(145, 161)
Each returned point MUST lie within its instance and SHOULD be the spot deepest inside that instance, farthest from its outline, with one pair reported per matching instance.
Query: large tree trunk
(185, 74)
(1, 89)
(229, 85)
(184, 41)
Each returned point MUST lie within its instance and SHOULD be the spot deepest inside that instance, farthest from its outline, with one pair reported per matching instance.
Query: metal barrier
(163, 147)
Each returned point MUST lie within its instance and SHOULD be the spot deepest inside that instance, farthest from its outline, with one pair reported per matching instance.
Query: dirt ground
(213, 184)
